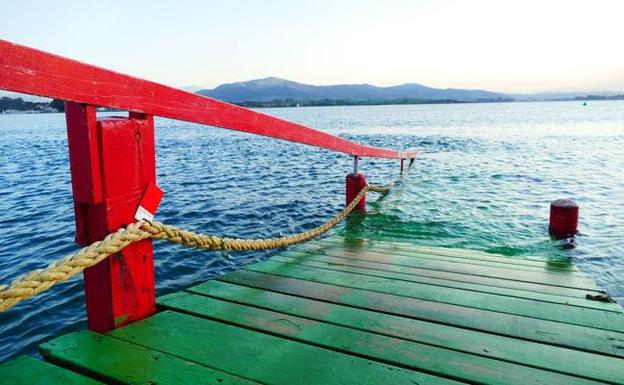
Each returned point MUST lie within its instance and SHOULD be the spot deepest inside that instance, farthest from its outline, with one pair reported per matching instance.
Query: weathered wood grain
(430, 251)
(526, 328)
(541, 276)
(403, 351)
(519, 306)
(112, 360)
(439, 274)
(262, 357)
(401, 273)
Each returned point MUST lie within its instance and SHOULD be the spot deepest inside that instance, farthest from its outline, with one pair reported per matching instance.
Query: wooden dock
(339, 311)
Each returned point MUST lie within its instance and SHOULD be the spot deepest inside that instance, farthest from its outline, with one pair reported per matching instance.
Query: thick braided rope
(211, 242)
(379, 189)
(40, 280)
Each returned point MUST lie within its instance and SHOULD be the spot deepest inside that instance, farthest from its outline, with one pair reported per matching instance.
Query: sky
(508, 46)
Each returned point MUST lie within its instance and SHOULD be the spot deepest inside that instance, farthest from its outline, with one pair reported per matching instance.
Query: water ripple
(484, 179)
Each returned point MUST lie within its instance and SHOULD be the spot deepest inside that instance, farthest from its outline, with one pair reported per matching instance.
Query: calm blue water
(484, 179)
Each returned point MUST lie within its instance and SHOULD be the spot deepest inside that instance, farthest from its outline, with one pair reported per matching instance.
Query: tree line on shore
(8, 104)
(19, 104)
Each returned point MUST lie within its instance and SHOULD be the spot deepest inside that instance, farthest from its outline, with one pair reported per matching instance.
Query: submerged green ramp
(339, 311)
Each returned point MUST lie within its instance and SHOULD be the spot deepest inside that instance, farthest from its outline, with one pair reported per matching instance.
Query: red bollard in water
(355, 183)
(564, 214)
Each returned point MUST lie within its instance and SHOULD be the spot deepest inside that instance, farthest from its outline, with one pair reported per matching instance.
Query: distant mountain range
(276, 92)
(272, 89)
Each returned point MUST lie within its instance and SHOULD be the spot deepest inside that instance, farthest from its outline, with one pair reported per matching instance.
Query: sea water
(483, 180)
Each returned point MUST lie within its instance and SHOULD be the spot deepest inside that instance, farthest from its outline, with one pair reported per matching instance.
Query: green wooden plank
(442, 251)
(445, 275)
(261, 357)
(27, 370)
(390, 236)
(445, 251)
(392, 257)
(553, 263)
(113, 360)
(548, 311)
(544, 277)
(404, 274)
(555, 333)
(555, 268)
(418, 356)
(524, 352)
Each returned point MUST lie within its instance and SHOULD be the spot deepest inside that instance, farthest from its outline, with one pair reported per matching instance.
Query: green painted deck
(358, 312)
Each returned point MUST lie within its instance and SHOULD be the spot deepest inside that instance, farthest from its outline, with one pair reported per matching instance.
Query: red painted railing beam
(31, 71)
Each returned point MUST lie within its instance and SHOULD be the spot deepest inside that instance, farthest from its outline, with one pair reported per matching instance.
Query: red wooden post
(354, 183)
(564, 214)
(112, 162)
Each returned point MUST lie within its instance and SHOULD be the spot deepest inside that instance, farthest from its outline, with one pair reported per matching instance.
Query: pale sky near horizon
(508, 46)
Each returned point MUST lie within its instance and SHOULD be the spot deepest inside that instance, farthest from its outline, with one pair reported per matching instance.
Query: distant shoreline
(339, 103)
(18, 106)
(342, 102)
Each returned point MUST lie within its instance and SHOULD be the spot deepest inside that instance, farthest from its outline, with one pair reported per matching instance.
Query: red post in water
(112, 162)
(354, 183)
(564, 214)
